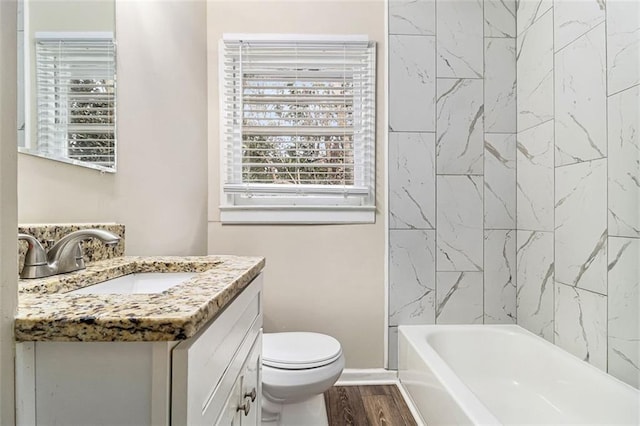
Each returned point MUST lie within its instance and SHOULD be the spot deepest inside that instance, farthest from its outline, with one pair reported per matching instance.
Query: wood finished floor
(367, 406)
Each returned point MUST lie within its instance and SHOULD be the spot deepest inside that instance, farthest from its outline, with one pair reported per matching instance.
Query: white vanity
(191, 355)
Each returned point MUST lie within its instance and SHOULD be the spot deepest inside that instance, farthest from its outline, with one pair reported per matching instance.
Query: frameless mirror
(67, 81)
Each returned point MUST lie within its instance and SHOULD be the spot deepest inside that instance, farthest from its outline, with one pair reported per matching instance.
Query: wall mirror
(67, 81)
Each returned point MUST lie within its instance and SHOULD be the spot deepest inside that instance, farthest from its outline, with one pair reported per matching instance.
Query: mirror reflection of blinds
(76, 99)
(299, 117)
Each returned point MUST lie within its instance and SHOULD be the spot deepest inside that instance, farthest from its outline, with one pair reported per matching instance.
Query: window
(75, 84)
(297, 129)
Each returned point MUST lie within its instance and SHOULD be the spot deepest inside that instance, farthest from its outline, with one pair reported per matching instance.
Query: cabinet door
(252, 384)
(230, 415)
(243, 407)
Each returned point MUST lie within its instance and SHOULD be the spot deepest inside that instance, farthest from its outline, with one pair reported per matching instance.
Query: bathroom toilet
(297, 366)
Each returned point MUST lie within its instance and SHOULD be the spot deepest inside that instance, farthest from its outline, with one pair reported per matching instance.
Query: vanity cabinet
(212, 378)
(218, 370)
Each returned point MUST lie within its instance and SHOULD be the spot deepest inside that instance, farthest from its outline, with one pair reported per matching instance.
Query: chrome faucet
(64, 256)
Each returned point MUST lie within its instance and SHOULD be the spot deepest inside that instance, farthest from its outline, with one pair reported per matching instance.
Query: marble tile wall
(578, 174)
(516, 200)
(452, 163)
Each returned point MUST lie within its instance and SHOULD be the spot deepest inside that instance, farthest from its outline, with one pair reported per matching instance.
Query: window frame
(357, 207)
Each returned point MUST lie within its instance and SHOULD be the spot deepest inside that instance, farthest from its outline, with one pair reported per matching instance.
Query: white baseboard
(367, 376)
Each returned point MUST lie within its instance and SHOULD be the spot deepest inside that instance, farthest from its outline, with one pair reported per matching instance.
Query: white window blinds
(298, 120)
(76, 97)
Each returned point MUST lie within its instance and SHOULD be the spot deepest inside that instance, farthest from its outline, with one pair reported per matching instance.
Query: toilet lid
(298, 350)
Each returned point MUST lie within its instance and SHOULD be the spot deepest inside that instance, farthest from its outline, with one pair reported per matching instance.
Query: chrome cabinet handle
(246, 407)
(251, 394)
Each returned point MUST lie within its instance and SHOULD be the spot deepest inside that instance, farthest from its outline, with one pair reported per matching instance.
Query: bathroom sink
(138, 283)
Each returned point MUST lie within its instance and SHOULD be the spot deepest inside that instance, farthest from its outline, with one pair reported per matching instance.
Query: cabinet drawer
(205, 367)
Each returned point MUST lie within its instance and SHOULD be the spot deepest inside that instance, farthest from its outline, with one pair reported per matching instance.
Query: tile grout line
(515, 188)
(606, 188)
(553, 85)
(435, 165)
(484, 159)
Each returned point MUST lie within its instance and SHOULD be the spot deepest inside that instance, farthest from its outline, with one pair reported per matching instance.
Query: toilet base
(311, 412)
(270, 411)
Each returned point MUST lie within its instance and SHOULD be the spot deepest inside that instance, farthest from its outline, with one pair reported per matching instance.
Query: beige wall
(318, 278)
(159, 191)
(8, 219)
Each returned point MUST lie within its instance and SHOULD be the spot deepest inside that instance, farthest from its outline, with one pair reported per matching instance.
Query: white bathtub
(503, 374)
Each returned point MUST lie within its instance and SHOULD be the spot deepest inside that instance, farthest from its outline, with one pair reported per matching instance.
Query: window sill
(296, 215)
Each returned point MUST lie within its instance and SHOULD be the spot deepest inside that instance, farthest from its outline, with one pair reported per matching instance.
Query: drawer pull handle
(251, 395)
(246, 407)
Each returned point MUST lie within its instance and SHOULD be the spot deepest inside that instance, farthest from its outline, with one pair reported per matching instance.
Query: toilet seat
(299, 350)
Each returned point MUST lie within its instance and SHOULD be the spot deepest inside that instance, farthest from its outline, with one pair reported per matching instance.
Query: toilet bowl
(297, 366)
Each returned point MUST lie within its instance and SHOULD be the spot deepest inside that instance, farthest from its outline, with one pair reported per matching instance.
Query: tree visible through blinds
(299, 115)
(76, 99)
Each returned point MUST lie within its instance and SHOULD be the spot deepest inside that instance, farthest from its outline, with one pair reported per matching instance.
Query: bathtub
(503, 374)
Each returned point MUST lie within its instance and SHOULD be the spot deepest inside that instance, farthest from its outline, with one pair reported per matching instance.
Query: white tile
(459, 216)
(460, 126)
(412, 83)
(529, 11)
(412, 277)
(412, 181)
(499, 181)
(624, 309)
(534, 295)
(393, 348)
(581, 324)
(460, 38)
(574, 18)
(624, 163)
(581, 99)
(581, 225)
(412, 17)
(623, 44)
(500, 18)
(535, 178)
(500, 277)
(500, 85)
(459, 298)
(534, 57)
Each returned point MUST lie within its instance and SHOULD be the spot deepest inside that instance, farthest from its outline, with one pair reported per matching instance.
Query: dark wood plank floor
(379, 405)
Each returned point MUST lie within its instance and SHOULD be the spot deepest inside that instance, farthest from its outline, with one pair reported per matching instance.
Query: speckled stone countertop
(46, 312)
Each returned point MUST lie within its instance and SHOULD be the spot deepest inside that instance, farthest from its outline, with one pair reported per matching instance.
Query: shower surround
(517, 202)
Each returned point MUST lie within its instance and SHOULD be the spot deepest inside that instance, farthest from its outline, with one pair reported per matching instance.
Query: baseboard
(367, 376)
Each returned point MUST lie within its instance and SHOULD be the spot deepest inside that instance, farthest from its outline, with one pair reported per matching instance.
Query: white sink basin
(140, 283)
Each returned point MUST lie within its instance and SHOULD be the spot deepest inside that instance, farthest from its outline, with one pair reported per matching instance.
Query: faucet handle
(35, 260)
(79, 254)
(35, 255)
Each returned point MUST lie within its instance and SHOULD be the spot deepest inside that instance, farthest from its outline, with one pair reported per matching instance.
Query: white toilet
(297, 366)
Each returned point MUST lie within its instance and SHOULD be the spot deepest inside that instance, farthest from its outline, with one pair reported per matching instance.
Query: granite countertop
(46, 312)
